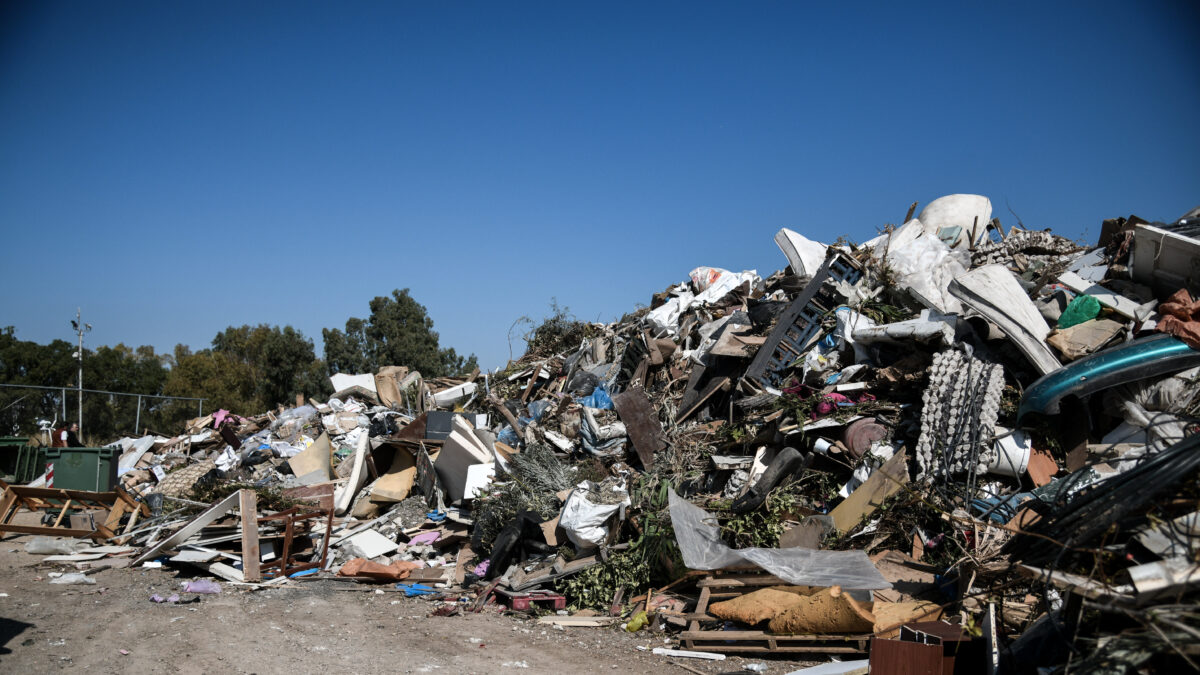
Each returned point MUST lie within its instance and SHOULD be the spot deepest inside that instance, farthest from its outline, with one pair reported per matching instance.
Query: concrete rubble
(953, 448)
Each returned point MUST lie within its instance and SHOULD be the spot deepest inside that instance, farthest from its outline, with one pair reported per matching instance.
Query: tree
(283, 361)
(217, 376)
(24, 362)
(121, 369)
(399, 332)
(105, 416)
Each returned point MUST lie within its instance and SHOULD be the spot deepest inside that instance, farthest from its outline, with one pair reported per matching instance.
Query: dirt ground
(314, 627)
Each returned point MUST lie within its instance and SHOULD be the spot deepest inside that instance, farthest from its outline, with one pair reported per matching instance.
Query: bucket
(1012, 451)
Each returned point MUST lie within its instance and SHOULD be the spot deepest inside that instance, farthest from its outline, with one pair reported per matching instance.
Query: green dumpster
(20, 462)
(93, 469)
(31, 463)
(10, 452)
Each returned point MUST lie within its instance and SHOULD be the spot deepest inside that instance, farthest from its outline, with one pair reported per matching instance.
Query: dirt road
(316, 627)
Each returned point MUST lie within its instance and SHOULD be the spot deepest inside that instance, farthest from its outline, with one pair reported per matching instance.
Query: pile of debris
(948, 442)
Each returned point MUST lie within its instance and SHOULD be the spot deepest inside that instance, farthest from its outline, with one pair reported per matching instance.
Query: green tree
(121, 369)
(25, 362)
(222, 379)
(105, 416)
(398, 332)
(282, 359)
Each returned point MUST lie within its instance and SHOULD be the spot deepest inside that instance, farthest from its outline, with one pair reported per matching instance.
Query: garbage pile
(950, 441)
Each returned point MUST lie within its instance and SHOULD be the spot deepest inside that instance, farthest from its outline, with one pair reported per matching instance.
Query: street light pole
(80, 329)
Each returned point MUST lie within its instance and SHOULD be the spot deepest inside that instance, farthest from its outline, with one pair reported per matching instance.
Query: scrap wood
(210, 515)
(118, 503)
(505, 412)
(884, 482)
(484, 596)
(578, 621)
(641, 421)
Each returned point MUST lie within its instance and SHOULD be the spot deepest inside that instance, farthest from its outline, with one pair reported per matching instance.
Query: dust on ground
(314, 627)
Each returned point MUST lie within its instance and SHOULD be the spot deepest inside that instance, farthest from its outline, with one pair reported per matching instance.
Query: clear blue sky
(176, 168)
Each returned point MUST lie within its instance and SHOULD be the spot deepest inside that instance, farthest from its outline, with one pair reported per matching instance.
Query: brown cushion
(828, 611)
(761, 605)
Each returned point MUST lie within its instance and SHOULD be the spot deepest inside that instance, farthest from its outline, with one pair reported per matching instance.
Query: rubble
(948, 442)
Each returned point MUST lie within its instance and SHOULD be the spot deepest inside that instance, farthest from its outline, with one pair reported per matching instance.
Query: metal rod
(79, 354)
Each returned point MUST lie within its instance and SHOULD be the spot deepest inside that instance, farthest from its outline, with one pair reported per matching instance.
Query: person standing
(66, 437)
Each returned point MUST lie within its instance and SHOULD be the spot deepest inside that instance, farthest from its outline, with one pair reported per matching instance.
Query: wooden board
(641, 421)
(884, 482)
(248, 503)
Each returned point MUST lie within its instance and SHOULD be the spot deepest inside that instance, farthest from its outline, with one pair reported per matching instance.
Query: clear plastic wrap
(702, 548)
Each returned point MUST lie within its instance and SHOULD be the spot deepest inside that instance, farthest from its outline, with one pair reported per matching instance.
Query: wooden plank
(884, 482)
(248, 502)
(52, 531)
(737, 580)
(133, 518)
(7, 501)
(759, 642)
(763, 635)
(717, 383)
(61, 513)
(578, 620)
(55, 493)
(192, 527)
(641, 421)
(460, 567)
(537, 371)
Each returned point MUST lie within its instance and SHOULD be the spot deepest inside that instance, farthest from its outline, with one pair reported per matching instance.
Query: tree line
(247, 369)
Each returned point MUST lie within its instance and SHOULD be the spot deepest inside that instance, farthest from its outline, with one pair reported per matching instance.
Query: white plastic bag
(585, 522)
(73, 578)
(925, 264)
(54, 546)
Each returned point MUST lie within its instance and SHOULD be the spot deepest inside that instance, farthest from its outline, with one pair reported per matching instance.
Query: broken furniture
(17, 500)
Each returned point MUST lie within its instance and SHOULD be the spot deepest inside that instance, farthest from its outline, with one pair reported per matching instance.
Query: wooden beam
(884, 482)
(248, 502)
(62, 512)
(645, 430)
(51, 531)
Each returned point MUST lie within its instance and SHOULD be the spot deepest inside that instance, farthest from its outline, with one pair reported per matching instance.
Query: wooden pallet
(725, 585)
(17, 498)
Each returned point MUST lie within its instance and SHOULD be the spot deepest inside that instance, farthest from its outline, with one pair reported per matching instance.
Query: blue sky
(177, 168)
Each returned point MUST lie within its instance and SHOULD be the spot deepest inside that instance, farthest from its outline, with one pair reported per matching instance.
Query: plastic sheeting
(133, 451)
(924, 264)
(715, 283)
(700, 543)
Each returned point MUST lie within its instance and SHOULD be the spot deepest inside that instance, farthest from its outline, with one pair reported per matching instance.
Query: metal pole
(200, 410)
(79, 327)
(137, 423)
